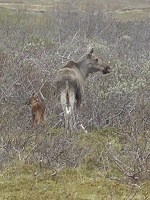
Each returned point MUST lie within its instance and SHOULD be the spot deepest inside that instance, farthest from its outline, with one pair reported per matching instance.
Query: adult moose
(70, 83)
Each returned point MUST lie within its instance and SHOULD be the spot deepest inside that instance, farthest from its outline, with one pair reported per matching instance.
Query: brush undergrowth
(24, 181)
(89, 180)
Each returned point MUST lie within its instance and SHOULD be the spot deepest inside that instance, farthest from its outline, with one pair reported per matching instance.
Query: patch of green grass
(88, 181)
(133, 14)
(123, 10)
(113, 4)
(26, 182)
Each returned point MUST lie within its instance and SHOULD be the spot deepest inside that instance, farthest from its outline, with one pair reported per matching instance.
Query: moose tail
(68, 107)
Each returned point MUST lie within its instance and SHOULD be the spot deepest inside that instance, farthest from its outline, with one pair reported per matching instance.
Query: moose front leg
(33, 119)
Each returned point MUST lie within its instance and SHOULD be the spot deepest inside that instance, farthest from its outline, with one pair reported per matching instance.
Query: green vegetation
(24, 181)
(125, 10)
(133, 14)
(94, 179)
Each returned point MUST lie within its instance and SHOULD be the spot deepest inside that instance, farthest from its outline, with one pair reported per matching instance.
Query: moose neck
(83, 69)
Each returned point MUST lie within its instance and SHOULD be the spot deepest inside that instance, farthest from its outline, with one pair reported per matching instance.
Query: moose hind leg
(33, 119)
(72, 116)
(64, 107)
(38, 118)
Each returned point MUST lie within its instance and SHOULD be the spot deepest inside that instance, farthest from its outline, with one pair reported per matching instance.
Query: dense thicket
(33, 46)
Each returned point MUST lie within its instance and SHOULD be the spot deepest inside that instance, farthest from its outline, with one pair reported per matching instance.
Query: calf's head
(33, 98)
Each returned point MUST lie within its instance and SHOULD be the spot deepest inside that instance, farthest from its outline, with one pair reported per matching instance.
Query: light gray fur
(70, 84)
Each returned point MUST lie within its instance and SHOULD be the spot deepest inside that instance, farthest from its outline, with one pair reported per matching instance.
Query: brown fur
(70, 72)
(70, 84)
(37, 110)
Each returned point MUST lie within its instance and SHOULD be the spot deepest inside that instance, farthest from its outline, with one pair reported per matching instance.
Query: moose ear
(33, 94)
(90, 53)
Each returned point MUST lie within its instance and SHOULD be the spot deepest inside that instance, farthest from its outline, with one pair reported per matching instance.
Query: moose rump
(70, 90)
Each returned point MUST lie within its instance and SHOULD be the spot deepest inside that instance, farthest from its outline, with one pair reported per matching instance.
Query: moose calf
(37, 110)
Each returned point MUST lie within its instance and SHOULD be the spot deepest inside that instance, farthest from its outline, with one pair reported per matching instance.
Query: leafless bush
(132, 158)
